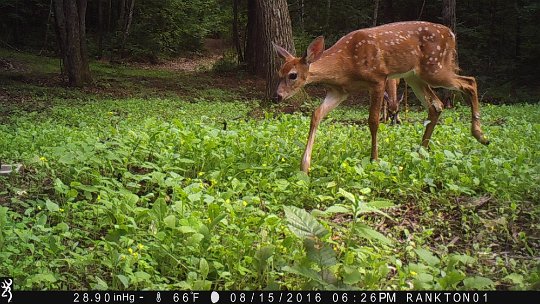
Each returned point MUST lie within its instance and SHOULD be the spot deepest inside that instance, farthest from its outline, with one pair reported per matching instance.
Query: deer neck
(327, 70)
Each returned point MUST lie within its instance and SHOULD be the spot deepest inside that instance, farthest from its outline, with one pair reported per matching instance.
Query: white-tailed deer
(390, 105)
(422, 53)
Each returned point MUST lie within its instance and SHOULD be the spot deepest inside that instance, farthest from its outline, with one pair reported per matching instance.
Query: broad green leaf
(451, 279)
(216, 220)
(100, 285)
(52, 206)
(305, 272)
(337, 209)
(381, 204)
(142, 276)
(203, 268)
(347, 195)
(351, 275)
(478, 282)
(261, 257)
(170, 221)
(427, 257)
(370, 234)
(320, 253)
(302, 224)
(365, 208)
(514, 278)
(186, 229)
(195, 197)
(41, 219)
(424, 277)
(124, 280)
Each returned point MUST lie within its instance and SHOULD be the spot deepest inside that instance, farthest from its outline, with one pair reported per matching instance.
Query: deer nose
(277, 97)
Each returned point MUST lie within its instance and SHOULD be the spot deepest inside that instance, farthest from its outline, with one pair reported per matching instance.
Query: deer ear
(283, 54)
(314, 50)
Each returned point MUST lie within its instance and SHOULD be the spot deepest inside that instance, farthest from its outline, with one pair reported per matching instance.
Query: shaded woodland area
(498, 41)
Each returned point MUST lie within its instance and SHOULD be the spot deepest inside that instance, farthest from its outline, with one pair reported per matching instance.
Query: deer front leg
(333, 98)
(377, 94)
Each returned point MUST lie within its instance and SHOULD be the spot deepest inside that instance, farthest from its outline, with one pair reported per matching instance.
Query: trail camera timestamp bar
(271, 297)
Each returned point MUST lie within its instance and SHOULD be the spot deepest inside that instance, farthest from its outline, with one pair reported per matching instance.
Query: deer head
(293, 73)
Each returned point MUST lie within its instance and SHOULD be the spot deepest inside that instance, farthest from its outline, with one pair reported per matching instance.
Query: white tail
(422, 53)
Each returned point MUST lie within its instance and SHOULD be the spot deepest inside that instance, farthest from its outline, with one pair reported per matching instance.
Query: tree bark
(70, 19)
(236, 32)
(375, 12)
(101, 28)
(268, 21)
(449, 19)
(129, 18)
(449, 14)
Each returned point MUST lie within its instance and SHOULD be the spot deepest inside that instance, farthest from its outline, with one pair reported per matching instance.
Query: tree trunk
(302, 16)
(101, 28)
(236, 32)
(375, 12)
(449, 19)
(129, 18)
(268, 21)
(327, 18)
(70, 19)
(449, 14)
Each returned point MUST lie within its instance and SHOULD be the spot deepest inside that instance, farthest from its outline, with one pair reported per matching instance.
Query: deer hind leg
(467, 85)
(333, 99)
(377, 96)
(434, 105)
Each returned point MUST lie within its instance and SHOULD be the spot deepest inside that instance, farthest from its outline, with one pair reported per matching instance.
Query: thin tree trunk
(302, 15)
(46, 40)
(236, 33)
(449, 17)
(375, 12)
(128, 21)
(101, 28)
(327, 18)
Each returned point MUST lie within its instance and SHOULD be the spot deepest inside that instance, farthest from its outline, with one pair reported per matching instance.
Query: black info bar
(278, 297)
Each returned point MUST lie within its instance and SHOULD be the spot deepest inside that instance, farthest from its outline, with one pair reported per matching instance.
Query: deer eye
(292, 76)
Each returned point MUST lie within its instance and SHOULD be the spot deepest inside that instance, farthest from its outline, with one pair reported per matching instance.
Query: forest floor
(113, 173)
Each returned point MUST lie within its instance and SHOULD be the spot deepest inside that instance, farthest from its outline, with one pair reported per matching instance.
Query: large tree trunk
(268, 21)
(70, 19)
